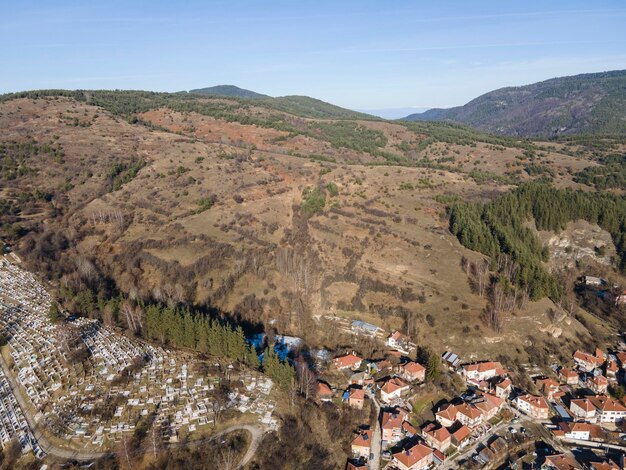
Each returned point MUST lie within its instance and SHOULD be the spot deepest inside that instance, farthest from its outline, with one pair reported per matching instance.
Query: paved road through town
(376, 444)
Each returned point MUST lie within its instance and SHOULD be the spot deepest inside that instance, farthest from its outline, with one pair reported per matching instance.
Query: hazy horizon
(359, 55)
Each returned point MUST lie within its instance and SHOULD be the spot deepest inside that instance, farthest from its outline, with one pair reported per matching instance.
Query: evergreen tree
(54, 313)
(433, 369)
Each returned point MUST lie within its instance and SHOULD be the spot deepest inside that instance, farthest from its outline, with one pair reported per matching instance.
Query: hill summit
(228, 90)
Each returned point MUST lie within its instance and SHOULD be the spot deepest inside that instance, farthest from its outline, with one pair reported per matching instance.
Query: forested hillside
(581, 104)
(227, 90)
(499, 227)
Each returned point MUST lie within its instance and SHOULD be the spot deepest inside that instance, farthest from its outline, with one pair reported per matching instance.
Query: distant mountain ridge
(593, 103)
(228, 90)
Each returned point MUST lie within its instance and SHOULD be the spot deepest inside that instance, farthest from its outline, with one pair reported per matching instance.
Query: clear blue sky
(358, 54)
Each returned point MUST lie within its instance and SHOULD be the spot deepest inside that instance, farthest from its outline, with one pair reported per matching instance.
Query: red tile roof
(593, 429)
(408, 427)
(584, 404)
(484, 366)
(590, 358)
(439, 455)
(469, 411)
(537, 402)
(562, 462)
(462, 433)
(567, 373)
(413, 368)
(393, 385)
(448, 412)
(504, 384)
(413, 455)
(323, 390)
(604, 465)
(392, 419)
(357, 394)
(488, 403)
(547, 384)
(440, 434)
(349, 360)
(397, 336)
(604, 403)
(364, 439)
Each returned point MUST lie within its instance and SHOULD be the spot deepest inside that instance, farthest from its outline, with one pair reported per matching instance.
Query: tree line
(180, 327)
(183, 328)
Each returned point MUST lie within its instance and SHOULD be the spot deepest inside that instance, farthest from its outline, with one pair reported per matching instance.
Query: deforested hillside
(274, 216)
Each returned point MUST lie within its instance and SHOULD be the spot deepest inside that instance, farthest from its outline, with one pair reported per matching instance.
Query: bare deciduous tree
(307, 381)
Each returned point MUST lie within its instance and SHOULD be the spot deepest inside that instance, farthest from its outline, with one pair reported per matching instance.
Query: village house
(582, 431)
(504, 388)
(561, 462)
(461, 437)
(397, 340)
(482, 370)
(413, 372)
(446, 415)
(465, 414)
(356, 465)
(537, 407)
(482, 385)
(583, 409)
(349, 361)
(361, 444)
(324, 393)
(608, 465)
(391, 426)
(568, 376)
(438, 458)
(468, 415)
(358, 378)
(417, 457)
(437, 437)
(356, 399)
(488, 405)
(588, 362)
(608, 410)
(549, 387)
(598, 384)
(393, 389)
(408, 429)
(611, 370)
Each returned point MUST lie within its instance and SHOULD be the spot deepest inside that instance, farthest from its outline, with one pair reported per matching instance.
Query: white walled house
(534, 406)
